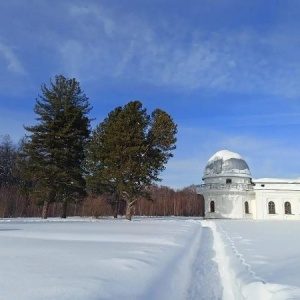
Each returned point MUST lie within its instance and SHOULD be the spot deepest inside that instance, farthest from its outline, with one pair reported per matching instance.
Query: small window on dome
(228, 181)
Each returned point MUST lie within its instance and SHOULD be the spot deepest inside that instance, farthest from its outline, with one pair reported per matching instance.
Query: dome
(226, 163)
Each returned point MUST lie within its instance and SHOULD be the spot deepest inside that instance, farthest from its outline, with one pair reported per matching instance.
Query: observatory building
(230, 192)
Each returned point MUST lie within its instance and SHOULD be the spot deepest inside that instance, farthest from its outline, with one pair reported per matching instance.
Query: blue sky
(228, 72)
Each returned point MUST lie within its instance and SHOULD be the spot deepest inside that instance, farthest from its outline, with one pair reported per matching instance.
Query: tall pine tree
(55, 148)
(129, 150)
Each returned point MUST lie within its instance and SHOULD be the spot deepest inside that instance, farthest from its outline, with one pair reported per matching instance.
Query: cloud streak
(13, 64)
(97, 42)
(127, 46)
(260, 120)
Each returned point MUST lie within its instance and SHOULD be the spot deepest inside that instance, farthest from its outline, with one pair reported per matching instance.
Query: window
(212, 206)
(287, 208)
(271, 207)
(228, 181)
(262, 185)
(246, 207)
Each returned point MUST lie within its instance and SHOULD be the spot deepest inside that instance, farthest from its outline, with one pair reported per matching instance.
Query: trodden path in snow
(205, 279)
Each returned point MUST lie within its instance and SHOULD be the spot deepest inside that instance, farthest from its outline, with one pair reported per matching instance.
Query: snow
(103, 259)
(276, 180)
(224, 155)
(260, 258)
(149, 258)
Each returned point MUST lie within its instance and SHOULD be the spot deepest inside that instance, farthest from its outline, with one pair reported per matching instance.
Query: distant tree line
(62, 167)
(166, 202)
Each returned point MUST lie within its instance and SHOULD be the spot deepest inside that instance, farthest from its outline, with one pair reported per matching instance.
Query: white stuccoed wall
(278, 191)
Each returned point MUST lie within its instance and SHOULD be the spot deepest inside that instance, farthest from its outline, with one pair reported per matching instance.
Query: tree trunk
(128, 215)
(115, 214)
(117, 207)
(129, 206)
(130, 201)
(45, 210)
(64, 208)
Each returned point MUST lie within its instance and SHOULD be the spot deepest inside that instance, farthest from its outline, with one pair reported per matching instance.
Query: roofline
(276, 182)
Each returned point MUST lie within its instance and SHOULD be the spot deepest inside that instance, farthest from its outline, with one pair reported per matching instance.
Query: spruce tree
(55, 146)
(129, 150)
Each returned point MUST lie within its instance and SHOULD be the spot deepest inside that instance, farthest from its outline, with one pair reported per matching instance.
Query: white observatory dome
(226, 163)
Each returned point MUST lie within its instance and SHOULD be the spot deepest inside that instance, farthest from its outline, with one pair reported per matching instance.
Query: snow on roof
(226, 163)
(225, 155)
(276, 180)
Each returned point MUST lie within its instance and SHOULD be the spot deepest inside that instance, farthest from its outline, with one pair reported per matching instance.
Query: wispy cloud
(13, 64)
(97, 42)
(98, 13)
(126, 45)
(248, 120)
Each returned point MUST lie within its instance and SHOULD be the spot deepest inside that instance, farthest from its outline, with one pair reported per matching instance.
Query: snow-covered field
(259, 259)
(149, 258)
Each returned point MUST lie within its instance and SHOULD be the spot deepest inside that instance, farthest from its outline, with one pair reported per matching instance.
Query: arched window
(271, 207)
(212, 206)
(287, 208)
(246, 207)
